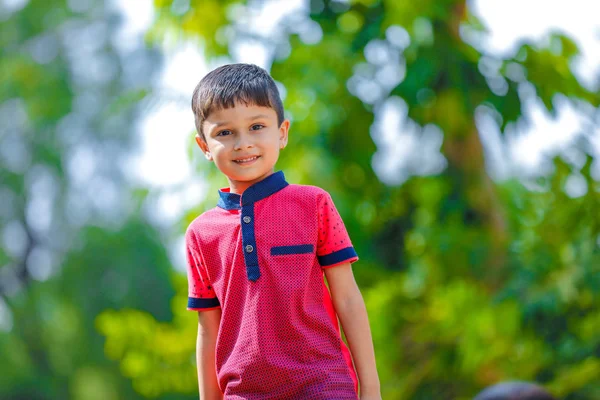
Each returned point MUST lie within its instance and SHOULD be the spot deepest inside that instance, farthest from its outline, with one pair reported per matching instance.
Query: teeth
(246, 160)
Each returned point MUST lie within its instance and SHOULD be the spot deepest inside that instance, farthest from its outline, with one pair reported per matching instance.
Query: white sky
(166, 131)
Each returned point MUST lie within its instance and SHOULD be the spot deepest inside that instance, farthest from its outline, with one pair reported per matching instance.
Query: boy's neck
(239, 187)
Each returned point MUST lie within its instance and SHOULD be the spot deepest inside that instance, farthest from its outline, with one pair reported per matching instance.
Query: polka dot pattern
(333, 236)
(279, 336)
(199, 286)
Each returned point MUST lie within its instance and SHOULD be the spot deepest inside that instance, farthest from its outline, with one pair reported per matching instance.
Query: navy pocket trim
(297, 249)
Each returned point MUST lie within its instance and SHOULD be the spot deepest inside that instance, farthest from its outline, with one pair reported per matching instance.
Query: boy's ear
(283, 133)
(204, 147)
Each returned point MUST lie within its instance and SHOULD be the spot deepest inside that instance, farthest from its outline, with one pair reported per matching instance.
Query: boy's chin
(251, 176)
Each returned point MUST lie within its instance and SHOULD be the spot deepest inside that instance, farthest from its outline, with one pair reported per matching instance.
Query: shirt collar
(260, 190)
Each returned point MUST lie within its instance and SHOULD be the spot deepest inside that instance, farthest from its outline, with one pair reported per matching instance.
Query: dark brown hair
(245, 83)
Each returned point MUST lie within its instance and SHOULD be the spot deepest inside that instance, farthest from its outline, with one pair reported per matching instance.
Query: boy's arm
(208, 327)
(351, 310)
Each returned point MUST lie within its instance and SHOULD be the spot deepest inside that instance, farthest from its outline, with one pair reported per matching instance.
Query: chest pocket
(295, 249)
(293, 267)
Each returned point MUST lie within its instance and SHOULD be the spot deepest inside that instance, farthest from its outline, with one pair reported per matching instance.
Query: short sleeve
(201, 295)
(334, 246)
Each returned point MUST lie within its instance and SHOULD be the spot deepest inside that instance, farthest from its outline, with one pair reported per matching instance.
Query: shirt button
(247, 219)
(249, 248)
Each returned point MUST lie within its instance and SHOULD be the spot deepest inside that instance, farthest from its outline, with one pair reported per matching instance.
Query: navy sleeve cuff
(337, 256)
(196, 303)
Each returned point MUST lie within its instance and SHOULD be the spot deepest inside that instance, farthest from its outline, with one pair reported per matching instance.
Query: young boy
(267, 324)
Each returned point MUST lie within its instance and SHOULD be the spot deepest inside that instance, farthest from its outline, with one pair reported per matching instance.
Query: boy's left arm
(350, 308)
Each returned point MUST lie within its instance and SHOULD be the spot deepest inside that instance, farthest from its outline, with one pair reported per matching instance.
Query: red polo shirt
(260, 257)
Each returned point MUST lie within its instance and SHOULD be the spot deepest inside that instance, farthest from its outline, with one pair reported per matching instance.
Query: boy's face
(244, 142)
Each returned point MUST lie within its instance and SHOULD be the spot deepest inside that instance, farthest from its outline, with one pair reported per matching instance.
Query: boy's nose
(244, 141)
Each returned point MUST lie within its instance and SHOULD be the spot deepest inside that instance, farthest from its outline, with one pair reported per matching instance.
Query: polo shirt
(260, 257)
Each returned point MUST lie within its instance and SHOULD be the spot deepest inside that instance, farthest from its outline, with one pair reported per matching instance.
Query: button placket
(249, 241)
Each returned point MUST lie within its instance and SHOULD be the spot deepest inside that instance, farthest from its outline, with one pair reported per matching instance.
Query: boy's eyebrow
(252, 118)
(258, 116)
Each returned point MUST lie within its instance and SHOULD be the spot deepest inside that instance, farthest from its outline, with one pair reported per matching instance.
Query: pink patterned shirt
(260, 257)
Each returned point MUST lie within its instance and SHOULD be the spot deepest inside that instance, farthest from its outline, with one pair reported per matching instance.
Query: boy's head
(240, 123)
(234, 83)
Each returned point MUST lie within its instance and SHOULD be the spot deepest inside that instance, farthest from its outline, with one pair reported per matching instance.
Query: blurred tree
(468, 281)
(73, 242)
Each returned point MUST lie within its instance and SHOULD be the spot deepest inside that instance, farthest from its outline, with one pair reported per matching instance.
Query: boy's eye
(225, 132)
(256, 127)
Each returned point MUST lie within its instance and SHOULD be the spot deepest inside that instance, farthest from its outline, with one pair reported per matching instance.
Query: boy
(267, 324)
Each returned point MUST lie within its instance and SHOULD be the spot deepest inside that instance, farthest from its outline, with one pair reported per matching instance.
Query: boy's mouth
(246, 160)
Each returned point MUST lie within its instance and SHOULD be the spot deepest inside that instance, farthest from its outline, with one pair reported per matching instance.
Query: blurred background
(459, 139)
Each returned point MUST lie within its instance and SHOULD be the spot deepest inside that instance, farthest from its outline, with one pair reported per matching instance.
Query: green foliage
(206, 18)
(552, 64)
(452, 336)
(54, 349)
(73, 245)
(157, 357)
(450, 339)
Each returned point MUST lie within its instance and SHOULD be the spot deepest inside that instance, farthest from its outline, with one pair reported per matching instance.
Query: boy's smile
(244, 142)
(246, 161)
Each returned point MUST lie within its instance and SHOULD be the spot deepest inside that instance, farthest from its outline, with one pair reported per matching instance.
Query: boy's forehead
(239, 111)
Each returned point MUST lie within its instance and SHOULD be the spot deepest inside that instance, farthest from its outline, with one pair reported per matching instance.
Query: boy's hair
(245, 83)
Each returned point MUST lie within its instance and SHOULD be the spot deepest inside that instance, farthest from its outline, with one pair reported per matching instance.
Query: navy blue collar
(260, 190)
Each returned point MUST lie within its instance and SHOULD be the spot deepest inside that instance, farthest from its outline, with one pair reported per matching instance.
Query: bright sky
(166, 131)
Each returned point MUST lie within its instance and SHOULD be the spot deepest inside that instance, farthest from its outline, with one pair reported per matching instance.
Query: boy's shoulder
(204, 220)
(307, 191)
(307, 195)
